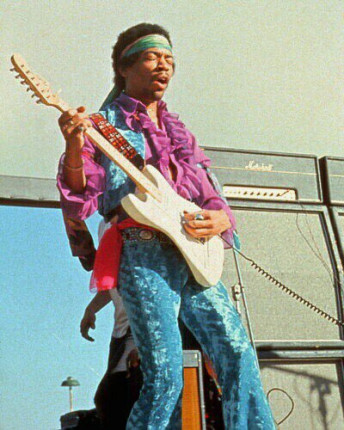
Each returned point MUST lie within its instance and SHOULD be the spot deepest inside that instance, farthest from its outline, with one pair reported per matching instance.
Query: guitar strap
(79, 236)
(119, 142)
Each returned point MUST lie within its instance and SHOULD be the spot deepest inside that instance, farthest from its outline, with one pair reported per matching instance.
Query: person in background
(121, 383)
(120, 386)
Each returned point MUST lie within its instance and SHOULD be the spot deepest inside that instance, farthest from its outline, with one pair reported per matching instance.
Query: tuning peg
(18, 76)
(28, 89)
(33, 96)
(38, 101)
(23, 82)
(13, 69)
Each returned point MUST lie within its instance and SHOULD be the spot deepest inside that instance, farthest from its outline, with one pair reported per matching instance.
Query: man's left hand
(214, 222)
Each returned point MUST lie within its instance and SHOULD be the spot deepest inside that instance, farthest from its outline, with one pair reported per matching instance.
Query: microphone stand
(238, 293)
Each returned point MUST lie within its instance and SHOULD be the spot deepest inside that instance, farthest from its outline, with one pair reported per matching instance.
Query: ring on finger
(199, 217)
(80, 128)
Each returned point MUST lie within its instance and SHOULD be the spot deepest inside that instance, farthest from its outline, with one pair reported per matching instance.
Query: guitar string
(279, 284)
(172, 219)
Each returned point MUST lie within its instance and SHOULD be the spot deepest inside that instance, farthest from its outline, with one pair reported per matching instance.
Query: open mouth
(162, 80)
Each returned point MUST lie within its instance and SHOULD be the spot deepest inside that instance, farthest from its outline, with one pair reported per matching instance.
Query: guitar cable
(286, 289)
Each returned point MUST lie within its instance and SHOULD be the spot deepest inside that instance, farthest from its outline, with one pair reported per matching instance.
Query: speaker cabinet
(332, 175)
(313, 393)
(295, 243)
(337, 215)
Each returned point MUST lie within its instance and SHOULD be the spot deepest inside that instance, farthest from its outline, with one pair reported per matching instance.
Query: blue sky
(43, 294)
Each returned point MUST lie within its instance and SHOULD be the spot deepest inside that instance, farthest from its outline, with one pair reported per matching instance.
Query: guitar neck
(42, 90)
(141, 181)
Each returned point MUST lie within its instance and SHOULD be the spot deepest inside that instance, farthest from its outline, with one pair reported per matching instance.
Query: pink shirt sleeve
(81, 205)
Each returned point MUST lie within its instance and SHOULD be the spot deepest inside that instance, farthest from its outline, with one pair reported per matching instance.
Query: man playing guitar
(153, 278)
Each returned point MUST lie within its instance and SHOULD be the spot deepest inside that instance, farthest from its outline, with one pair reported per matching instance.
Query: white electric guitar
(155, 203)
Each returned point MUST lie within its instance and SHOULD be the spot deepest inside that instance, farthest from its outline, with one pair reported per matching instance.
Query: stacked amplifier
(332, 169)
(290, 218)
(292, 232)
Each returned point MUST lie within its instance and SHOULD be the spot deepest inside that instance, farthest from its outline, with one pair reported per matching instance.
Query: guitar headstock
(39, 86)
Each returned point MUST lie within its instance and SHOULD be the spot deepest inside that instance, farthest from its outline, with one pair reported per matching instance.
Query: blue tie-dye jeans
(156, 285)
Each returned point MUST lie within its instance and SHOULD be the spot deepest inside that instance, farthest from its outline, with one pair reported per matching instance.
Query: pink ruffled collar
(173, 144)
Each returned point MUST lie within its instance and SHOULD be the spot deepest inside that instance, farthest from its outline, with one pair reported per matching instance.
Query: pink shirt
(171, 145)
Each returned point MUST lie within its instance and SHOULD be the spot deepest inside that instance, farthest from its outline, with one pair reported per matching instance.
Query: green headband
(145, 42)
(141, 44)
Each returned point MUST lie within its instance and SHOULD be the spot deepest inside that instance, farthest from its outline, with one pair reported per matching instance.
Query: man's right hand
(73, 123)
(88, 321)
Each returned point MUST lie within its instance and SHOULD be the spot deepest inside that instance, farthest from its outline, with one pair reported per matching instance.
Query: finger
(68, 126)
(205, 214)
(66, 116)
(84, 325)
(188, 216)
(76, 119)
(200, 224)
(87, 337)
(205, 234)
(73, 115)
(191, 215)
(82, 122)
(84, 332)
(199, 233)
(83, 328)
(192, 232)
(75, 128)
